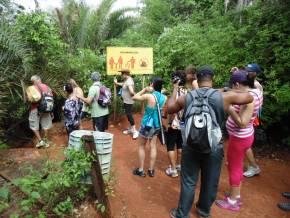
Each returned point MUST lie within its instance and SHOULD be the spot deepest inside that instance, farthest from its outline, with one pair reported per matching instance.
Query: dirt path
(154, 197)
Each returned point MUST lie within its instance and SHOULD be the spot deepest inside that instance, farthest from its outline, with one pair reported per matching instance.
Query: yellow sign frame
(138, 60)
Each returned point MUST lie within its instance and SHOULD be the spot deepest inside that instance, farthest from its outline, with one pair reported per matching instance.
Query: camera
(178, 75)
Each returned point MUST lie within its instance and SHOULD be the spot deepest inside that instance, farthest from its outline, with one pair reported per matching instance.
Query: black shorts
(101, 123)
(174, 138)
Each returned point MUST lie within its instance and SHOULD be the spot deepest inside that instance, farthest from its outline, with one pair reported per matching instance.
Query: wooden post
(143, 103)
(115, 102)
(97, 177)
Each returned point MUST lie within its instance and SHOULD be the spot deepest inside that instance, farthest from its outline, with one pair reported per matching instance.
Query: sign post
(139, 61)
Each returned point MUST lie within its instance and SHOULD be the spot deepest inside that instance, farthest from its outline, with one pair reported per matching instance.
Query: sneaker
(151, 173)
(135, 134)
(173, 213)
(284, 206)
(138, 172)
(127, 131)
(252, 171)
(239, 200)
(46, 145)
(286, 194)
(171, 172)
(40, 144)
(178, 167)
(225, 204)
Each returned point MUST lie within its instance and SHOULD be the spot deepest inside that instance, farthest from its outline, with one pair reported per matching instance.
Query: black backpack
(202, 131)
(46, 102)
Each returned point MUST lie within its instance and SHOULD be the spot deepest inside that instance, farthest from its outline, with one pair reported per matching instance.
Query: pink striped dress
(234, 129)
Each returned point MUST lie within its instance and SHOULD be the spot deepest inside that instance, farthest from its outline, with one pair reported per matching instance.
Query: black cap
(205, 70)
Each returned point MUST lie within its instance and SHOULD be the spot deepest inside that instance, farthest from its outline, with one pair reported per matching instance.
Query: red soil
(154, 197)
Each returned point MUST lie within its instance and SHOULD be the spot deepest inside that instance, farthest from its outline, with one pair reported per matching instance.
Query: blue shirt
(152, 113)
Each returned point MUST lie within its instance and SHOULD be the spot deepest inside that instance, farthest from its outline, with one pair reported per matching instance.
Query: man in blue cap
(193, 161)
(253, 169)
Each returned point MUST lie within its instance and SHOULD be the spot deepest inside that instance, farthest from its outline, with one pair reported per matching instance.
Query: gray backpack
(202, 131)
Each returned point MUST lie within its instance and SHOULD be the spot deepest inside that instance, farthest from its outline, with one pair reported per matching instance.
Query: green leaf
(103, 208)
(14, 215)
(35, 195)
(4, 193)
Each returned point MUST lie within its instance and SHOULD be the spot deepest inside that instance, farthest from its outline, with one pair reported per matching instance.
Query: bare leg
(235, 192)
(172, 159)
(46, 133)
(251, 158)
(179, 151)
(37, 134)
(153, 152)
(141, 152)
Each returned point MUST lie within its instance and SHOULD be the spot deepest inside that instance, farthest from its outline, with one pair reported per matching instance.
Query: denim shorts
(148, 132)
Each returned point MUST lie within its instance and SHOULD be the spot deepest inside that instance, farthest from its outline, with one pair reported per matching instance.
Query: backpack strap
(260, 111)
(160, 119)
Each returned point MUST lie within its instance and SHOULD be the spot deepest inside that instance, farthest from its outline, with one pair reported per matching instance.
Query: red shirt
(44, 88)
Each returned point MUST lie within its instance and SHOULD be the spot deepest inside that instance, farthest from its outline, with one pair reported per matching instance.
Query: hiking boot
(171, 172)
(173, 213)
(225, 204)
(239, 200)
(40, 144)
(286, 194)
(138, 172)
(151, 173)
(135, 134)
(284, 206)
(252, 171)
(127, 131)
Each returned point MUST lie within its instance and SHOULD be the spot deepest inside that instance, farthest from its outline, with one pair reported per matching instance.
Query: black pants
(173, 138)
(128, 111)
(70, 129)
(101, 123)
(210, 167)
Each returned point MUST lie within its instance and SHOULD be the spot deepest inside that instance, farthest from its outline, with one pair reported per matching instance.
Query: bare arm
(237, 98)
(117, 83)
(243, 118)
(131, 90)
(140, 96)
(175, 105)
(87, 100)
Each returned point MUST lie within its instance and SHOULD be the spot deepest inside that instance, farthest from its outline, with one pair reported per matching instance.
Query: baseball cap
(253, 68)
(205, 70)
(239, 76)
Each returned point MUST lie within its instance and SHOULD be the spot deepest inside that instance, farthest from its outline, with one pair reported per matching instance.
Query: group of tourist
(191, 121)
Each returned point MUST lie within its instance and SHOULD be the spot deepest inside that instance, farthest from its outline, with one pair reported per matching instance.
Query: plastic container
(103, 143)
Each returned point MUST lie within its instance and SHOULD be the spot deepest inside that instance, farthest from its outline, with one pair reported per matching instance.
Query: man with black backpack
(40, 111)
(204, 110)
(99, 99)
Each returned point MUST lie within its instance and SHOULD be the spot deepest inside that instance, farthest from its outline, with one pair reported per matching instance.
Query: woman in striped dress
(241, 136)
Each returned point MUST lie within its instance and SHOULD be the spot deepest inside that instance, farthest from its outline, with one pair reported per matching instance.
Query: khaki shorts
(44, 119)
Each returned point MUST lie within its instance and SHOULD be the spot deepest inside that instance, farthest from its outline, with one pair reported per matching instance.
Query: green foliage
(56, 191)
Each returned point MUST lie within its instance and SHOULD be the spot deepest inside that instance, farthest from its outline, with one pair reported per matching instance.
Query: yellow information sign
(137, 60)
